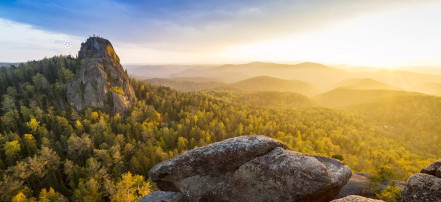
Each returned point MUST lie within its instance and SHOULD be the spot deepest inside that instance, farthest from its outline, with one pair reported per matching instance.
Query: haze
(386, 34)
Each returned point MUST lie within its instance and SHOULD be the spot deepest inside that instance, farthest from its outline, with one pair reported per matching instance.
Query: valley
(87, 148)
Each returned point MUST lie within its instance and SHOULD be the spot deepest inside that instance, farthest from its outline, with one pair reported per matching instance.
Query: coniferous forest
(51, 152)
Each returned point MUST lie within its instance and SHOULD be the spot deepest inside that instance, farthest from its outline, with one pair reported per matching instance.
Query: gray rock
(95, 81)
(162, 196)
(97, 47)
(251, 168)
(422, 187)
(433, 169)
(283, 175)
(217, 158)
(355, 198)
(357, 185)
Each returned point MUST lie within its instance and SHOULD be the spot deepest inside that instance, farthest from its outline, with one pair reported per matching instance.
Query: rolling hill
(365, 84)
(343, 97)
(433, 88)
(187, 84)
(160, 71)
(268, 99)
(266, 83)
(320, 75)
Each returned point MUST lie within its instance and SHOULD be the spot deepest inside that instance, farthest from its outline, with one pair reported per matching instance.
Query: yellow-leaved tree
(131, 188)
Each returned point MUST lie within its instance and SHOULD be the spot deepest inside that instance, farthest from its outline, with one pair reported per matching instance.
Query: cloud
(187, 25)
(21, 42)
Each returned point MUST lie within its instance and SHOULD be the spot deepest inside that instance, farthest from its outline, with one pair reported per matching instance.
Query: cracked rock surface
(424, 186)
(251, 168)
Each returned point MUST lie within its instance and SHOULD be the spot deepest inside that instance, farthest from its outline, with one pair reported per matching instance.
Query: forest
(51, 152)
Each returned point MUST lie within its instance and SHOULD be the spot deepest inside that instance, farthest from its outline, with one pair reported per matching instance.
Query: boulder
(424, 186)
(433, 169)
(355, 198)
(251, 168)
(100, 82)
(163, 196)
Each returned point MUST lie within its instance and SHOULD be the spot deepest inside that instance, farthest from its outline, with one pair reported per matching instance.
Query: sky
(380, 33)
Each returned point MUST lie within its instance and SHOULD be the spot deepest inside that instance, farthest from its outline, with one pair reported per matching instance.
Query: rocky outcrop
(355, 198)
(251, 168)
(164, 196)
(100, 82)
(424, 186)
(433, 169)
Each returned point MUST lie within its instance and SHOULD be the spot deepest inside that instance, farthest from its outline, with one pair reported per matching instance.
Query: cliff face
(101, 81)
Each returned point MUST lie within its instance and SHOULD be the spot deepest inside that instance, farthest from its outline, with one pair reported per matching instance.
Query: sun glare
(405, 37)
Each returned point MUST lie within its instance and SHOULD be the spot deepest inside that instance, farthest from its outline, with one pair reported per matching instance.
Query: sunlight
(380, 40)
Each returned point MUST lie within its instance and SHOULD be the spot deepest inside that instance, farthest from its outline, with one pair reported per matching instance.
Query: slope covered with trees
(51, 151)
(266, 83)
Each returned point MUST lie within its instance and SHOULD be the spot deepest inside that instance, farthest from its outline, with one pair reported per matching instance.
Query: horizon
(432, 70)
(375, 34)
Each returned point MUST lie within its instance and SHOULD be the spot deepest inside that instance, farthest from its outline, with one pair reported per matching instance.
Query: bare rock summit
(100, 82)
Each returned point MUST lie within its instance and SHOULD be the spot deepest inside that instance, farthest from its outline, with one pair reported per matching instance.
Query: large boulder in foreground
(251, 168)
(424, 186)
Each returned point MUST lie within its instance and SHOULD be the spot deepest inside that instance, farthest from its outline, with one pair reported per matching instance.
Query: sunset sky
(352, 32)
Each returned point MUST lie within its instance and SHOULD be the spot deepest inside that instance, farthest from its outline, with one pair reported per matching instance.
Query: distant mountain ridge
(323, 77)
(255, 84)
(187, 84)
(266, 65)
(8, 64)
(308, 72)
(365, 84)
(343, 97)
(266, 83)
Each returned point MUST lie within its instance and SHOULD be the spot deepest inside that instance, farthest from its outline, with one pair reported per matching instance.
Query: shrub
(118, 90)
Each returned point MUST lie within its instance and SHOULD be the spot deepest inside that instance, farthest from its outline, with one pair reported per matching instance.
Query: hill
(266, 83)
(365, 84)
(265, 66)
(318, 74)
(187, 84)
(267, 99)
(401, 79)
(342, 97)
(142, 72)
(433, 88)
